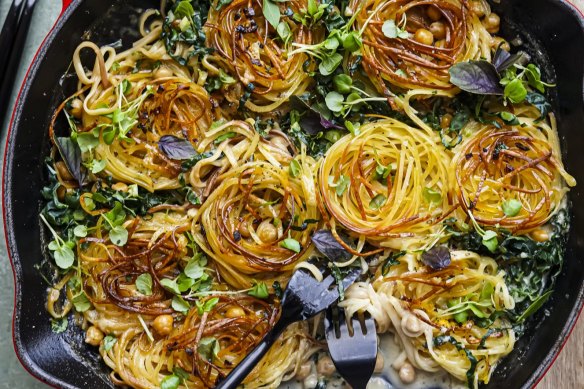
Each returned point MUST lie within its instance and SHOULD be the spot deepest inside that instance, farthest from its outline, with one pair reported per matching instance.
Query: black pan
(553, 32)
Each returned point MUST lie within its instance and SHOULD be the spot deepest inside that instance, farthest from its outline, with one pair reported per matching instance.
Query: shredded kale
(531, 267)
(184, 25)
(441, 340)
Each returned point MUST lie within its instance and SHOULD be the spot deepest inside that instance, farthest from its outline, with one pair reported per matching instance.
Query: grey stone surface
(11, 372)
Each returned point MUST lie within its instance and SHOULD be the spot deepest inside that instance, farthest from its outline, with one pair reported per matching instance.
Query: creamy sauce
(388, 378)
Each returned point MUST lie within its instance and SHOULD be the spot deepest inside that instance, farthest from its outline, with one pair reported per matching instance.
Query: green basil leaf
(511, 207)
(81, 302)
(431, 196)
(59, 325)
(144, 284)
(515, 91)
(272, 12)
(334, 101)
(171, 381)
(170, 285)
(180, 305)
(119, 236)
(294, 168)
(259, 290)
(108, 342)
(342, 83)
(377, 202)
(291, 244)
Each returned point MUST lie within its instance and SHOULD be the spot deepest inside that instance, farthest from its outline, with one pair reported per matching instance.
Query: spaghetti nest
(257, 223)
(401, 60)
(516, 165)
(174, 107)
(253, 51)
(210, 344)
(389, 182)
(427, 309)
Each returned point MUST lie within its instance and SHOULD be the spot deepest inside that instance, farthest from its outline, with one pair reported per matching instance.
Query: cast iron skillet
(553, 32)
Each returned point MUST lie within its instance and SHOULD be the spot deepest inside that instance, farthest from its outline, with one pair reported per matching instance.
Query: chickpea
(244, 230)
(120, 186)
(477, 8)
(162, 72)
(440, 43)
(163, 324)
(540, 235)
(424, 37)
(311, 381)
(93, 336)
(77, 108)
(438, 29)
(433, 13)
(407, 373)
(445, 121)
(267, 232)
(497, 42)
(63, 171)
(325, 366)
(234, 312)
(492, 23)
(303, 371)
(379, 363)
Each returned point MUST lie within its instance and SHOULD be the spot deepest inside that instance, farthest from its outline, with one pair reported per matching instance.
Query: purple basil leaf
(325, 242)
(176, 148)
(328, 124)
(503, 60)
(478, 77)
(71, 154)
(437, 257)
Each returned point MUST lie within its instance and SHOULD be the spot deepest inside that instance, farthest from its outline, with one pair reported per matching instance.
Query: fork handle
(244, 367)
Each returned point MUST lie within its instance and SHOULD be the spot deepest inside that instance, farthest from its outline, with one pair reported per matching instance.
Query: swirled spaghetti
(390, 181)
(250, 48)
(520, 163)
(406, 62)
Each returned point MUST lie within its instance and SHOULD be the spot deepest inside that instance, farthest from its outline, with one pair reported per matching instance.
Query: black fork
(303, 298)
(352, 345)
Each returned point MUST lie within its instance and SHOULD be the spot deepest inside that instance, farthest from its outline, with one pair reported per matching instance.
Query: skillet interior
(547, 26)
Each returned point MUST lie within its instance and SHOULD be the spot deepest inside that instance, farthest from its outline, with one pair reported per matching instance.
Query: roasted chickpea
(407, 373)
(93, 336)
(234, 312)
(492, 23)
(244, 230)
(325, 366)
(438, 29)
(77, 108)
(446, 120)
(303, 371)
(540, 235)
(433, 13)
(162, 72)
(267, 232)
(163, 324)
(477, 8)
(424, 37)
(379, 362)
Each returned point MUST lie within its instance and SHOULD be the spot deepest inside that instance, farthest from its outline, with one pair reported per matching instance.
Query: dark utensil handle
(244, 367)
(9, 29)
(14, 56)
